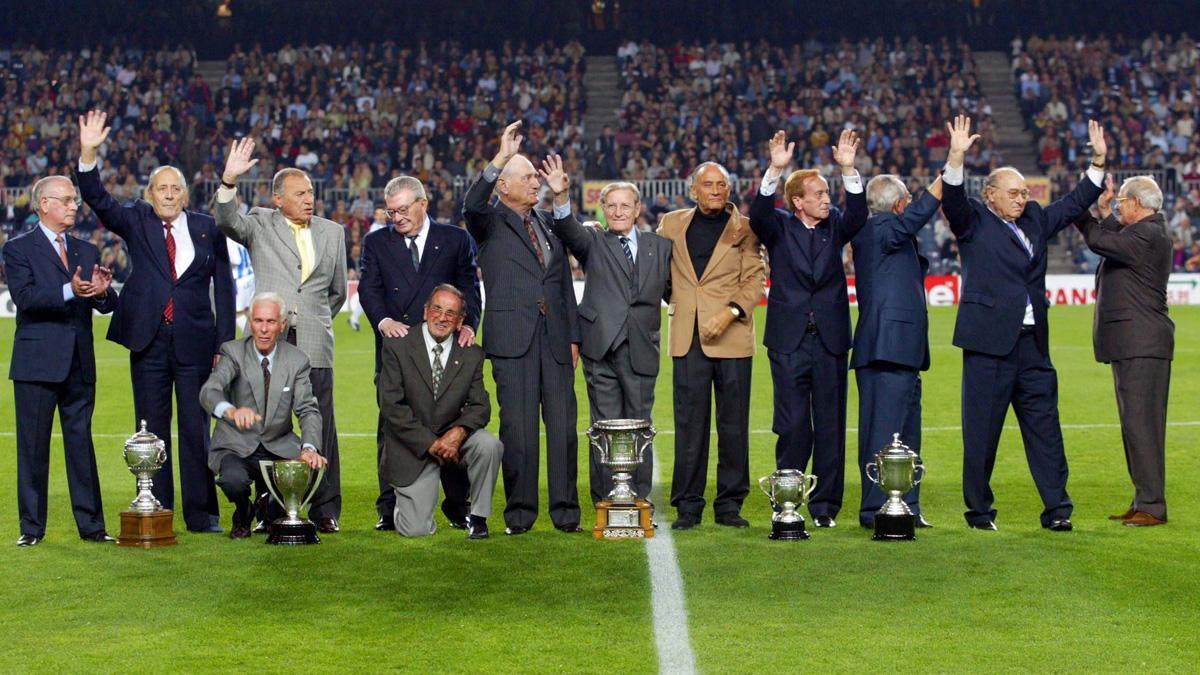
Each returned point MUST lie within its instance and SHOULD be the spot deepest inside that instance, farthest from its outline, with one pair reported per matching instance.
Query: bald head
(1006, 193)
(518, 184)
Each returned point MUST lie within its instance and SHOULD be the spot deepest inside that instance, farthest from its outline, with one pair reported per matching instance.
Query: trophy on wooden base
(146, 524)
(621, 445)
(292, 483)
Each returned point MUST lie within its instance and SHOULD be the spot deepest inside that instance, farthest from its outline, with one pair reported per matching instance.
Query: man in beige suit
(301, 257)
(717, 275)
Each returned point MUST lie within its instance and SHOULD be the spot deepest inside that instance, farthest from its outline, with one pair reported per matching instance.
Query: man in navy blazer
(808, 314)
(53, 363)
(1002, 323)
(166, 318)
(891, 340)
(399, 268)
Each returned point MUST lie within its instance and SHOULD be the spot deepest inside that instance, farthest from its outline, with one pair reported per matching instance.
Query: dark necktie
(169, 310)
(416, 253)
(628, 251)
(533, 239)
(266, 364)
(437, 367)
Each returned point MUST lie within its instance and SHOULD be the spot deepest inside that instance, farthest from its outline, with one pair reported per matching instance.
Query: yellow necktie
(305, 246)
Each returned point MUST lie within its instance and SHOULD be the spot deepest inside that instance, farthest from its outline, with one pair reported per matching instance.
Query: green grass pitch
(1102, 598)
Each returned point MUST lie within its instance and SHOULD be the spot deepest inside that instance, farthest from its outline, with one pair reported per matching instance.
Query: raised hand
(555, 177)
(961, 139)
(92, 134)
(781, 151)
(1096, 140)
(240, 159)
(1107, 197)
(844, 151)
(510, 144)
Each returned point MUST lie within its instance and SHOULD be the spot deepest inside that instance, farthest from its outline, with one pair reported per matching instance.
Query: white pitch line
(671, 637)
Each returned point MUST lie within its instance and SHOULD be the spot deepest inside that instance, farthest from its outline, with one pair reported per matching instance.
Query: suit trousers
(615, 391)
(810, 387)
(1025, 379)
(155, 372)
(327, 503)
(1142, 385)
(524, 385)
(454, 482)
(481, 454)
(34, 404)
(889, 402)
(696, 377)
(237, 474)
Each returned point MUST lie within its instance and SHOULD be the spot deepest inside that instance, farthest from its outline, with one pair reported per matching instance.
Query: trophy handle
(647, 442)
(312, 489)
(267, 467)
(766, 491)
(919, 474)
(867, 469)
(812, 485)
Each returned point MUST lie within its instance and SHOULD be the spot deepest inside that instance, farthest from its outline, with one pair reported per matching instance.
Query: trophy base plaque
(895, 527)
(623, 521)
(293, 534)
(140, 529)
(781, 531)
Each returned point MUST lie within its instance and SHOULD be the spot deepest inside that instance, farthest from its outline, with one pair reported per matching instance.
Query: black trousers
(327, 503)
(810, 418)
(525, 385)
(615, 391)
(455, 485)
(1025, 379)
(1142, 385)
(35, 403)
(889, 402)
(237, 475)
(696, 378)
(155, 373)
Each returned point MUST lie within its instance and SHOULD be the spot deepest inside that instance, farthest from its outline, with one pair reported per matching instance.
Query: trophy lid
(896, 448)
(144, 440)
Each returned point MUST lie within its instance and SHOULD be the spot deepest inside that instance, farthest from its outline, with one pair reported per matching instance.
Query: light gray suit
(620, 323)
(311, 304)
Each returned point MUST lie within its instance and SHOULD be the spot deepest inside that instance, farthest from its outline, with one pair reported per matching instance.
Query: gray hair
(621, 185)
(883, 191)
(701, 167)
(273, 297)
(35, 194)
(1144, 190)
(447, 288)
(400, 183)
(282, 175)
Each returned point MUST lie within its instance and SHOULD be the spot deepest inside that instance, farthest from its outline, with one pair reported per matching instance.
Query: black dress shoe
(988, 525)
(100, 537)
(1060, 525)
(385, 525)
(824, 521)
(327, 526)
(685, 521)
(477, 527)
(515, 530)
(460, 524)
(28, 540)
(732, 520)
(922, 523)
(569, 528)
(239, 531)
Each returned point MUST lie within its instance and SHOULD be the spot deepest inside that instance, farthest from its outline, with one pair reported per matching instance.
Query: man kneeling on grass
(434, 409)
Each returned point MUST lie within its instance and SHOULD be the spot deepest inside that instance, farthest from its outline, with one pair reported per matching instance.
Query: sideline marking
(671, 637)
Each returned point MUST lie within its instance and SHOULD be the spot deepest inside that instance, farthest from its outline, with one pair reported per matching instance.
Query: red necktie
(169, 310)
(62, 251)
(533, 239)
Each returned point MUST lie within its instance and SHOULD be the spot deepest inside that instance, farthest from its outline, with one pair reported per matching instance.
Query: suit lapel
(416, 351)
(280, 375)
(613, 242)
(254, 375)
(157, 239)
(518, 226)
(200, 246)
(396, 242)
(821, 235)
(645, 258)
(51, 251)
(433, 248)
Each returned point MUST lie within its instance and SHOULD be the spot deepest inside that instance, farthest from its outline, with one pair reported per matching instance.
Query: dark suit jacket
(413, 417)
(998, 274)
(1131, 317)
(389, 287)
(618, 294)
(889, 278)
(515, 282)
(198, 334)
(48, 329)
(798, 286)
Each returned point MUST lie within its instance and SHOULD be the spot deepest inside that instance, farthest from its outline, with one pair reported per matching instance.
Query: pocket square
(286, 389)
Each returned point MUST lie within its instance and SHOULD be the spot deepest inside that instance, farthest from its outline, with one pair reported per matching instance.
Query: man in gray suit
(1133, 332)
(303, 259)
(434, 409)
(257, 385)
(628, 275)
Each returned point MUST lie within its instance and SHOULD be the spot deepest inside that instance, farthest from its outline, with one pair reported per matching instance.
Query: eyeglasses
(66, 201)
(402, 211)
(620, 208)
(436, 311)
(1023, 194)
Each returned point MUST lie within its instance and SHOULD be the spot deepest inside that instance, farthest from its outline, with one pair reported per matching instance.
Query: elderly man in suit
(1002, 324)
(1133, 331)
(53, 363)
(434, 411)
(256, 387)
(891, 340)
(717, 275)
(808, 314)
(400, 267)
(302, 258)
(628, 277)
(165, 318)
(530, 333)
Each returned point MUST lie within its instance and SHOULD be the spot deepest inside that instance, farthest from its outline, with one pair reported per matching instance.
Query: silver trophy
(789, 490)
(145, 454)
(896, 470)
(292, 483)
(621, 445)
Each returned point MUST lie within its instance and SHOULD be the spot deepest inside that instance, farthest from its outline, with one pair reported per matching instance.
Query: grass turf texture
(1104, 597)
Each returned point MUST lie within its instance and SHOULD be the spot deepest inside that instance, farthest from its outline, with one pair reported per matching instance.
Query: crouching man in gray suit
(434, 408)
(254, 390)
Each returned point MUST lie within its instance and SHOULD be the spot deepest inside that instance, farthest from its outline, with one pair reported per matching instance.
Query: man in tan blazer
(717, 275)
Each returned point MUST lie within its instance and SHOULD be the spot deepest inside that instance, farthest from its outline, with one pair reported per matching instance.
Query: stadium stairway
(602, 84)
